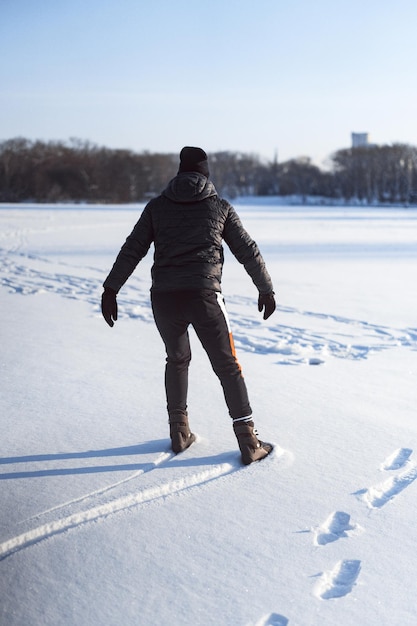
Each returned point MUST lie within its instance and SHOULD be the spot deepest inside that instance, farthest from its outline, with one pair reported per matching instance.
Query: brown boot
(179, 430)
(250, 447)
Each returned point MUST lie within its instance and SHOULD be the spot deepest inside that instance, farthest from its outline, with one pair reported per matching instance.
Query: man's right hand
(109, 305)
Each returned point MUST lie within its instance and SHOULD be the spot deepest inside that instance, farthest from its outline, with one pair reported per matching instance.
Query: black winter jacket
(187, 224)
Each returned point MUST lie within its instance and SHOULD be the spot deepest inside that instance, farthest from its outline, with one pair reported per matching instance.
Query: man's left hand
(266, 302)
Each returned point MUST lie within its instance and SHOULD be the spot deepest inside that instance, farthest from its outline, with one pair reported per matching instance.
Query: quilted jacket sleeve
(132, 252)
(246, 251)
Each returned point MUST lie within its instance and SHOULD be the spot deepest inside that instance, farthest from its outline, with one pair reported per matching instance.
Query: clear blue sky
(292, 76)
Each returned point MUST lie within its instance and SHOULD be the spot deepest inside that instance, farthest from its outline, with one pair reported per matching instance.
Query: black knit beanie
(194, 160)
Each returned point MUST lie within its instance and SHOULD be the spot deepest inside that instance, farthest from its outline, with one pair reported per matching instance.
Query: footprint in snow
(377, 496)
(274, 619)
(397, 459)
(380, 494)
(336, 526)
(339, 581)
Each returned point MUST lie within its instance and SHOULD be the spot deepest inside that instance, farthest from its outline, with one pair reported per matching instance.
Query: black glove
(266, 302)
(109, 305)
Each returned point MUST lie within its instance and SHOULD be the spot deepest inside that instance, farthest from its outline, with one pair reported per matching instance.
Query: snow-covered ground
(101, 525)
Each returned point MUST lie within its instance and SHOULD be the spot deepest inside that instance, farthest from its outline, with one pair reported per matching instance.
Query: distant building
(360, 139)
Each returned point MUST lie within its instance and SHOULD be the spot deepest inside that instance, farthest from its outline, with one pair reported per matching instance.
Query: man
(187, 224)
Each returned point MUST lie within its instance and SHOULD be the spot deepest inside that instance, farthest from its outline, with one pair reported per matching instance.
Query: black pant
(205, 311)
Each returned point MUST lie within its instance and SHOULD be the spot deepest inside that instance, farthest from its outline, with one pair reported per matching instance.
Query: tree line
(80, 171)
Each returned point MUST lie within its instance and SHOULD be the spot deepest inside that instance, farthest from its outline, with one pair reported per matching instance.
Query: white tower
(360, 139)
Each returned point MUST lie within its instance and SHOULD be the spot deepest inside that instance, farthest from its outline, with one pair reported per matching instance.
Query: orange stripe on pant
(222, 305)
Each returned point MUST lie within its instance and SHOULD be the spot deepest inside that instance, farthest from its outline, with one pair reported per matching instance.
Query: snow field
(101, 524)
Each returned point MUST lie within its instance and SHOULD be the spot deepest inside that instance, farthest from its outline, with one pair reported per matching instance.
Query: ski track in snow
(133, 499)
(151, 494)
(163, 457)
(294, 344)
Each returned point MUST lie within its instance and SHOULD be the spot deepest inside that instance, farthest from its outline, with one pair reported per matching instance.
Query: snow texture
(102, 524)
